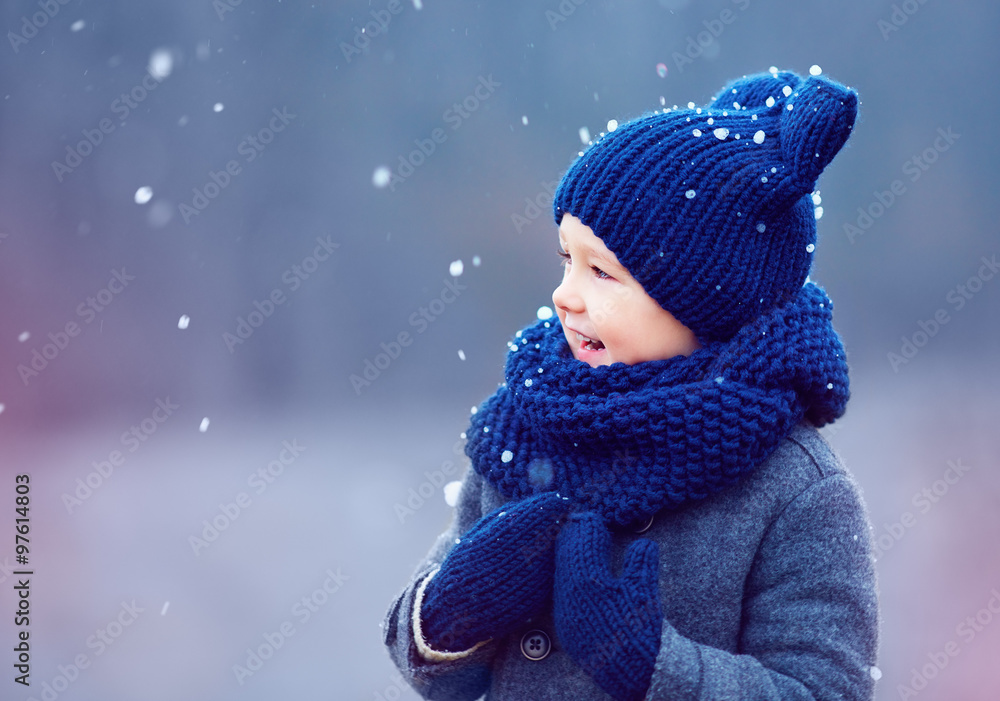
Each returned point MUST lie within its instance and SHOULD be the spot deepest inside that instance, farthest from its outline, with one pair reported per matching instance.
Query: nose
(566, 297)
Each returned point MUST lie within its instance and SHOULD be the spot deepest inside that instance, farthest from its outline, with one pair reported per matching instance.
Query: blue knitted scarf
(626, 441)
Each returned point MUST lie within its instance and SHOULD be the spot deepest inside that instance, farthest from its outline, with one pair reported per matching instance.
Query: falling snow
(721, 133)
(544, 313)
(451, 491)
(204, 425)
(759, 137)
(381, 176)
(661, 70)
(506, 456)
(161, 64)
(183, 322)
(456, 268)
(585, 135)
(690, 194)
(143, 195)
(25, 335)
(461, 354)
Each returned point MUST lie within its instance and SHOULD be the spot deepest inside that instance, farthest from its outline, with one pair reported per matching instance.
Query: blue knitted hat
(710, 208)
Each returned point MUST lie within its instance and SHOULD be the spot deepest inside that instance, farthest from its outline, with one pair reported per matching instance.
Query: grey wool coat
(767, 590)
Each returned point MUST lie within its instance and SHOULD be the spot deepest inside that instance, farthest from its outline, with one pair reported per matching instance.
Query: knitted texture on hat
(497, 576)
(609, 625)
(709, 208)
(628, 440)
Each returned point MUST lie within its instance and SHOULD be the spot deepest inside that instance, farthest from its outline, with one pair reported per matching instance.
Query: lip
(581, 352)
(570, 328)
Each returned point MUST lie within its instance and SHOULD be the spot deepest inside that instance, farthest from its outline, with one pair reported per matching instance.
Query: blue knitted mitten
(609, 626)
(497, 576)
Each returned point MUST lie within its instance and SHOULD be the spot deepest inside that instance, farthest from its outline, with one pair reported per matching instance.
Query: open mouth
(588, 343)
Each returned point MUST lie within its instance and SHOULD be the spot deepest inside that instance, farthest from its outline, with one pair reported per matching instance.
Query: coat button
(535, 645)
(645, 526)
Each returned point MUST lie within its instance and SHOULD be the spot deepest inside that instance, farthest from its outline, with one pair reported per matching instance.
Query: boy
(651, 512)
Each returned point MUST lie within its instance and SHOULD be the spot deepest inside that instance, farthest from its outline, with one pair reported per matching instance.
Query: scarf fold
(626, 441)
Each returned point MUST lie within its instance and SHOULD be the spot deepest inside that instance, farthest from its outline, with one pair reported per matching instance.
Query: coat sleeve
(466, 676)
(810, 613)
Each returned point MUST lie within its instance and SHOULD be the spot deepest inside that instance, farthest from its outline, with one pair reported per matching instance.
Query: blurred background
(217, 219)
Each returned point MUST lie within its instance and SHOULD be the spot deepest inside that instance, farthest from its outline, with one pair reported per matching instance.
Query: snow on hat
(710, 208)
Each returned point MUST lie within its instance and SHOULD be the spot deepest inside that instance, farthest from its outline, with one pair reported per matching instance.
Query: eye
(600, 274)
(563, 255)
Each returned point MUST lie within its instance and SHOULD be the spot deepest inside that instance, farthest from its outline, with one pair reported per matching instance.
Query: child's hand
(609, 626)
(497, 576)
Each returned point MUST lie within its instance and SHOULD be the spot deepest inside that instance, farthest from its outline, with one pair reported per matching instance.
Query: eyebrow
(598, 256)
(607, 262)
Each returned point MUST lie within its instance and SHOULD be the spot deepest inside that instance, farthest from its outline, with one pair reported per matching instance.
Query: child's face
(606, 315)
